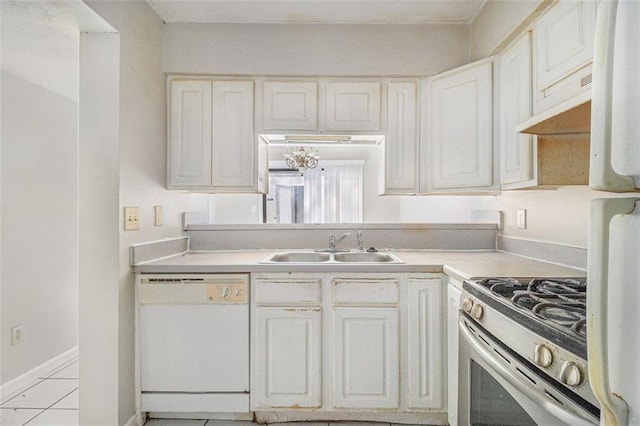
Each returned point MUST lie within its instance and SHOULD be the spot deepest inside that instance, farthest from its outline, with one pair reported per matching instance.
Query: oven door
(496, 388)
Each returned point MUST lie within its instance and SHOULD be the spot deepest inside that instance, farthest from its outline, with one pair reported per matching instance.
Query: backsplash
(394, 236)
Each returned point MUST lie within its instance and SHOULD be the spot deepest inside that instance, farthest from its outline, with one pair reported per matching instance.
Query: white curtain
(333, 194)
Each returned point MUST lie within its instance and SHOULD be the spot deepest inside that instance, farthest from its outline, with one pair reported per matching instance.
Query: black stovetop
(554, 308)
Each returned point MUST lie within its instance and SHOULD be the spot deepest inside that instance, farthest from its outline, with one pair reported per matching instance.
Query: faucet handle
(360, 242)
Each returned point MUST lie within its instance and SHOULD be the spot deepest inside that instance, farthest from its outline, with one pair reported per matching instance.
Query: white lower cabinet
(289, 357)
(355, 346)
(424, 344)
(366, 358)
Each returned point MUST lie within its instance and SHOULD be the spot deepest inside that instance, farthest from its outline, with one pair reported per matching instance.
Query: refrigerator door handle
(614, 409)
(602, 176)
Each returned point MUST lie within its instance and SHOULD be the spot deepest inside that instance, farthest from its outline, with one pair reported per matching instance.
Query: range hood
(569, 117)
(317, 139)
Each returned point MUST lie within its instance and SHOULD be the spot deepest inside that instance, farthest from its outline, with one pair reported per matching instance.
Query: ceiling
(318, 11)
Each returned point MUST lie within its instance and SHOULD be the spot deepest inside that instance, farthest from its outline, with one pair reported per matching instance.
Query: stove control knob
(477, 311)
(467, 304)
(570, 374)
(542, 355)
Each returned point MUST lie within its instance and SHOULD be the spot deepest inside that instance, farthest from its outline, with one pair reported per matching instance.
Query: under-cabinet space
(563, 159)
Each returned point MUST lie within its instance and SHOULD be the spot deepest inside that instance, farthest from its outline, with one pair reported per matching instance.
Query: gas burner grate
(559, 301)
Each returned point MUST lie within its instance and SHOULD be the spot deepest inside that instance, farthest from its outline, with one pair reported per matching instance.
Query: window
(330, 193)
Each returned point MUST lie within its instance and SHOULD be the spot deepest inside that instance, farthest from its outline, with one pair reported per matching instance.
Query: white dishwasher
(193, 343)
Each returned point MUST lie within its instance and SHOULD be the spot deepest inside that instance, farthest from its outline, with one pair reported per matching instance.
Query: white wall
(556, 216)
(142, 164)
(496, 22)
(444, 208)
(39, 223)
(318, 49)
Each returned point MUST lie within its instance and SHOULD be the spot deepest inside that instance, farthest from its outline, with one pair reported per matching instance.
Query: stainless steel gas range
(523, 353)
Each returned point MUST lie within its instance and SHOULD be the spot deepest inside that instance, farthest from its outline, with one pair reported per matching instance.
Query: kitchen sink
(332, 258)
(365, 257)
(297, 257)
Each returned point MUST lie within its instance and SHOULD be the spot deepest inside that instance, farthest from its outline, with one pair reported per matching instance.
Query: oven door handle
(507, 375)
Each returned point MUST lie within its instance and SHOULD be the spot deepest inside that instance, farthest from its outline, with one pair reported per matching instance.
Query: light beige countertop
(458, 264)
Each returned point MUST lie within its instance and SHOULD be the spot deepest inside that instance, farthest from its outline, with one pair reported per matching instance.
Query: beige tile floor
(53, 401)
(164, 422)
(50, 401)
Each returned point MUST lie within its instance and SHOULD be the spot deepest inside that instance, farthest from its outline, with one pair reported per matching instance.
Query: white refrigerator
(613, 296)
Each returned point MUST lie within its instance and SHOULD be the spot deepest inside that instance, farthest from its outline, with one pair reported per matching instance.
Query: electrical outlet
(16, 334)
(522, 219)
(131, 218)
(158, 215)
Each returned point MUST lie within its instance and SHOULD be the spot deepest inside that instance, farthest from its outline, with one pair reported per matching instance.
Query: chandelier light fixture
(301, 159)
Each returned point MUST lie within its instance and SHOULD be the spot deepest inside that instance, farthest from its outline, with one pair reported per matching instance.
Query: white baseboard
(43, 370)
(132, 421)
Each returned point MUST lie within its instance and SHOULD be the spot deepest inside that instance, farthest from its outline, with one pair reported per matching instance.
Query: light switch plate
(131, 218)
(522, 219)
(158, 215)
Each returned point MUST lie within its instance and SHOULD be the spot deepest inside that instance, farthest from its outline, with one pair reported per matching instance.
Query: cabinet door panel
(190, 133)
(425, 375)
(288, 368)
(401, 143)
(516, 153)
(366, 359)
(233, 158)
(290, 105)
(353, 106)
(564, 40)
(461, 121)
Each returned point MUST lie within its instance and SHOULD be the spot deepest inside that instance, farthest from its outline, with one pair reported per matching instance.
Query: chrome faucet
(333, 241)
(360, 242)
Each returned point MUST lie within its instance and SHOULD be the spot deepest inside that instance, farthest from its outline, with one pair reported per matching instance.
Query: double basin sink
(318, 257)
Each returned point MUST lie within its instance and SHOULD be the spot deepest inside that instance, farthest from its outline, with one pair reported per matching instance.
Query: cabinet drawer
(269, 291)
(366, 291)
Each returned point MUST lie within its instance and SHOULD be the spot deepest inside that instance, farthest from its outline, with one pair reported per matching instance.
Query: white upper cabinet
(516, 149)
(401, 167)
(459, 128)
(353, 106)
(563, 45)
(190, 134)
(290, 105)
(233, 147)
(212, 146)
